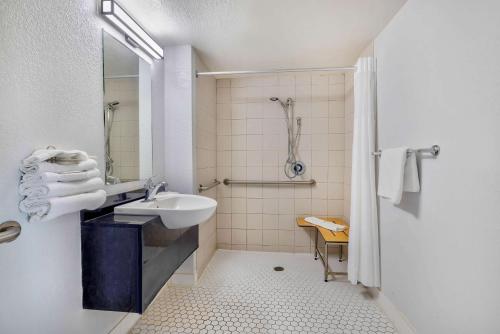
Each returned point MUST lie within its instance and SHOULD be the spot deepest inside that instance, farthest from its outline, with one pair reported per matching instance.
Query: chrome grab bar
(9, 231)
(263, 182)
(201, 187)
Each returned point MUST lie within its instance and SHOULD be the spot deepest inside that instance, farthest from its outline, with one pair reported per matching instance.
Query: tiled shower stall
(252, 145)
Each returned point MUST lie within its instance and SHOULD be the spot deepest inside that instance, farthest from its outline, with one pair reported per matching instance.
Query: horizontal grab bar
(201, 187)
(9, 231)
(264, 182)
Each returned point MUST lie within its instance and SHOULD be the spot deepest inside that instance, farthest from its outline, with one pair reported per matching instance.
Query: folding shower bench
(331, 238)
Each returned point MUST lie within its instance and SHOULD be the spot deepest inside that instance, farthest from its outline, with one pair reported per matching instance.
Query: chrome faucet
(152, 189)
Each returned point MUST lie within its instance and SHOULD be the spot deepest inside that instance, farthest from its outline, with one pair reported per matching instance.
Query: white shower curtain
(364, 257)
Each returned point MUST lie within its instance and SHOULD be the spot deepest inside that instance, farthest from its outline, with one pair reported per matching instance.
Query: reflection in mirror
(127, 113)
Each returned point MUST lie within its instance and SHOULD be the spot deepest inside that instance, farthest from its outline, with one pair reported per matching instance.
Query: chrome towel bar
(433, 150)
(9, 231)
(263, 182)
(201, 187)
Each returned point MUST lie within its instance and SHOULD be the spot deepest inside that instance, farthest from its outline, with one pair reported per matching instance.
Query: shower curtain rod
(314, 69)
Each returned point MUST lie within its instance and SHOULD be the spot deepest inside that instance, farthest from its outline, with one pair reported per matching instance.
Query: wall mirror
(127, 113)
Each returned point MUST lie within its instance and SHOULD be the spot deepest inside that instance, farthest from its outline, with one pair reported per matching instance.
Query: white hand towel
(47, 177)
(42, 167)
(411, 181)
(391, 173)
(47, 209)
(54, 189)
(325, 224)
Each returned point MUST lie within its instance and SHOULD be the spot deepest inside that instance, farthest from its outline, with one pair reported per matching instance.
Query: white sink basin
(176, 210)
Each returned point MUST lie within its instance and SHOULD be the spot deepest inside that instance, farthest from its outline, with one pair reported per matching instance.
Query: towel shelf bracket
(9, 231)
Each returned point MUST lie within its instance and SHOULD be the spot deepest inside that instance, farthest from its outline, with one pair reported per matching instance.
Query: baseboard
(399, 320)
(126, 324)
(182, 279)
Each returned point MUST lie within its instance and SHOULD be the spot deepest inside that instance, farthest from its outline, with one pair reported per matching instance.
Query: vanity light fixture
(134, 34)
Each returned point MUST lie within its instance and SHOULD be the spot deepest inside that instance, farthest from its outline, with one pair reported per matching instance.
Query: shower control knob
(299, 168)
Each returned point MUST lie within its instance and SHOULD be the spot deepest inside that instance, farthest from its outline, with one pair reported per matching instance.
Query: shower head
(275, 99)
(292, 167)
(112, 105)
(283, 104)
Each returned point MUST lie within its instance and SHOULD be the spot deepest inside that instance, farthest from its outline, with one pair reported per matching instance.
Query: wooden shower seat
(331, 238)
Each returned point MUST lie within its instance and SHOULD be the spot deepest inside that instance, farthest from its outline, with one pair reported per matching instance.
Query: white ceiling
(253, 34)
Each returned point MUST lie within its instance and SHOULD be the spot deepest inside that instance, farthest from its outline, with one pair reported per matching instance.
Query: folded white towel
(47, 177)
(55, 189)
(42, 167)
(325, 224)
(411, 181)
(62, 155)
(43, 209)
(391, 173)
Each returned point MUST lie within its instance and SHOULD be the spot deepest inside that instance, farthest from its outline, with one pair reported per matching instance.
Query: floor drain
(279, 268)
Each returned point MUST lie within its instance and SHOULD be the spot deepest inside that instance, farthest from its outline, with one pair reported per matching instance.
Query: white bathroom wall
(51, 93)
(190, 138)
(206, 158)
(180, 120)
(439, 83)
(145, 127)
(252, 145)
(158, 118)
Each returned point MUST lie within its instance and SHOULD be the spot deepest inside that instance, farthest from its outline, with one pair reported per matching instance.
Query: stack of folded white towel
(57, 182)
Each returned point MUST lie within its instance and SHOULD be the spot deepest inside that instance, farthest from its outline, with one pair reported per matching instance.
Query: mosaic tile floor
(241, 293)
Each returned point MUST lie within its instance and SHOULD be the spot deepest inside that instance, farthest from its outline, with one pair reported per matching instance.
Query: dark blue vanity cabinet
(127, 259)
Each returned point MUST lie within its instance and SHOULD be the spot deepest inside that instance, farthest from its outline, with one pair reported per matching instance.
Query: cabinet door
(111, 268)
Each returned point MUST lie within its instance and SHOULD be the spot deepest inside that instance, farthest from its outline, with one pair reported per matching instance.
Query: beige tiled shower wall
(252, 145)
(206, 153)
(349, 122)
